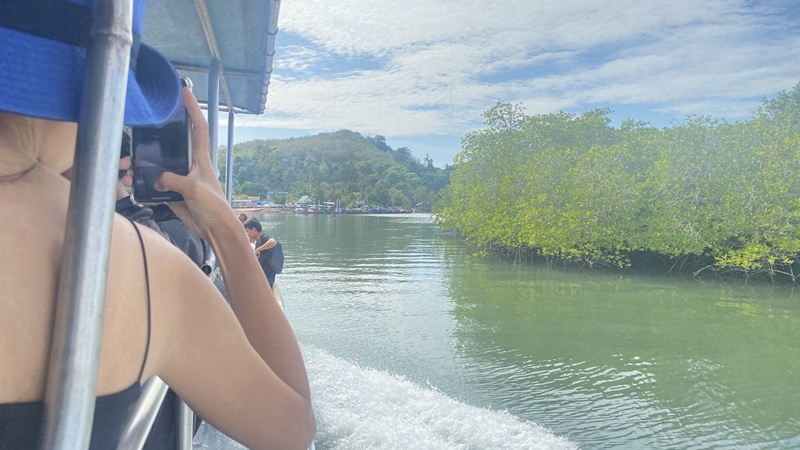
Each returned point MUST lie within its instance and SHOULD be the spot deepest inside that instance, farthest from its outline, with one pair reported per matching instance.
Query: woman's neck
(26, 142)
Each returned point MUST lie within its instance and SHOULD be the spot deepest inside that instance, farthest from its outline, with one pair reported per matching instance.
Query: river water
(411, 343)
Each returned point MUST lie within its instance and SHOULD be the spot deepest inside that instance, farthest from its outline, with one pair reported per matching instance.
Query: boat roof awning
(240, 34)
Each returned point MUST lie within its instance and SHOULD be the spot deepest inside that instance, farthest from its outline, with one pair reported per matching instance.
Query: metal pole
(229, 161)
(144, 414)
(78, 329)
(184, 425)
(213, 111)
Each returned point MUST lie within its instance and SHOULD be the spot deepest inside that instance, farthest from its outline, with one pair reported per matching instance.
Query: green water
(607, 361)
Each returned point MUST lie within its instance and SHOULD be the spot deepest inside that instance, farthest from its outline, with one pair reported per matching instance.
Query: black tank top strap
(147, 287)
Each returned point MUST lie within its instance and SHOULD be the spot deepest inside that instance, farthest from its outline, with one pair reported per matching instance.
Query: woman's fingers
(201, 158)
(124, 170)
(205, 203)
(199, 127)
(173, 182)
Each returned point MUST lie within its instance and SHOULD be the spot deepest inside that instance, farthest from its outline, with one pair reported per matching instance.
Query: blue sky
(421, 72)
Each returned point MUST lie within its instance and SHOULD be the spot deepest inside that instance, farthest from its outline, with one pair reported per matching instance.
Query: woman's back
(239, 369)
(238, 366)
(31, 236)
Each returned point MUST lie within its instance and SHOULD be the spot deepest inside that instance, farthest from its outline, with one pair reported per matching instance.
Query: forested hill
(343, 166)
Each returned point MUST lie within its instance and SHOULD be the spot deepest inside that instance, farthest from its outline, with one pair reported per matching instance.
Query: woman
(239, 366)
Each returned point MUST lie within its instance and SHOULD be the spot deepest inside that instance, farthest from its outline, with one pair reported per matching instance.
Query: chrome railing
(141, 420)
(144, 414)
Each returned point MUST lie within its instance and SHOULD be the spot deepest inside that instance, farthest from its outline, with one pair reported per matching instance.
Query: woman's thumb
(171, 182)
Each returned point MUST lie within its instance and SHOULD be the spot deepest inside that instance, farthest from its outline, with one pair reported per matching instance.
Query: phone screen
(155, 150)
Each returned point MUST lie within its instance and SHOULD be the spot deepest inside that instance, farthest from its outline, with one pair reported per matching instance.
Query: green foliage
(342, 166)
(571, 187)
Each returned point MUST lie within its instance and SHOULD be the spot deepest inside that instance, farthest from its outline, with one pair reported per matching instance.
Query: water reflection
(631, 362)
(609, 361)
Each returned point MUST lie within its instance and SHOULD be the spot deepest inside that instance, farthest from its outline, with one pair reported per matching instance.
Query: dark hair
(243, 217)
(253, 223)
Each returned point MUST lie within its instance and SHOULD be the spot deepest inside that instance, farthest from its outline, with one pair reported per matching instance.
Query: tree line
(701, 194)
(343, 166)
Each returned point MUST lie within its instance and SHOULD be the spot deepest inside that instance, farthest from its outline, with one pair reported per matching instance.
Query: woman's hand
(126, 181)
(204, 202)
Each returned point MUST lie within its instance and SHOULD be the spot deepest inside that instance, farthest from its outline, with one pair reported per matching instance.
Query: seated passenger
(237, 366)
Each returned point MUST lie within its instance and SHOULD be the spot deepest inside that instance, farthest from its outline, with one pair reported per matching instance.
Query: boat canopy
(240, 35)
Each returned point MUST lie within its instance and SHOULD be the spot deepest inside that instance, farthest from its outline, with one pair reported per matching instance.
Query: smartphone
(155, 150)
(125, 148)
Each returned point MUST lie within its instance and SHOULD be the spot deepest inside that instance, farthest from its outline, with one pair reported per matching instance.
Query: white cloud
(296, 58)
(443, 62)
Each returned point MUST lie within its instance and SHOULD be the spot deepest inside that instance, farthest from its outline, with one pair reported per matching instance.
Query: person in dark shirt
(262, 243)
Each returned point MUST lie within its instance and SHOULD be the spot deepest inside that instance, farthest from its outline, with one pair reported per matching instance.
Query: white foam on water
(359, 408)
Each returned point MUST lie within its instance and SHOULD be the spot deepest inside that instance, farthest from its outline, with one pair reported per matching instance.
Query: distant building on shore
(245, 201)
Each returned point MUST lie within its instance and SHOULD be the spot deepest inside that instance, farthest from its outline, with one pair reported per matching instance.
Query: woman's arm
(237, 374)
(250, 385)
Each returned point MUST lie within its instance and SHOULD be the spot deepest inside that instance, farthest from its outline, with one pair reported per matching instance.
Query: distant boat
(301, 210)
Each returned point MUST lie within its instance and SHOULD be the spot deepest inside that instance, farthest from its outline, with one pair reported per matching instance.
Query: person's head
(243, 217)
(253, 228)
(44, 67)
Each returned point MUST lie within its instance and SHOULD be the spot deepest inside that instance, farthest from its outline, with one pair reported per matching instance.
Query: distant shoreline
(277, 210)
(291, 210)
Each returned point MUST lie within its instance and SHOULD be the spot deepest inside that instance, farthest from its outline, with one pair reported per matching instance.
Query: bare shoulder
(172, 280)
(179, 294)
(138, 260)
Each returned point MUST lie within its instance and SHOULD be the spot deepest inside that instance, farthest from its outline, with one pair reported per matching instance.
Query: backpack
(275, 258)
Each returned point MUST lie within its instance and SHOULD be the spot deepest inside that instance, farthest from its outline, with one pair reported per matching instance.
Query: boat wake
(360, 408)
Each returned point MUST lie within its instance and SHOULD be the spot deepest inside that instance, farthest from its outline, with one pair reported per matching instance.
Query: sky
(421, 72)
